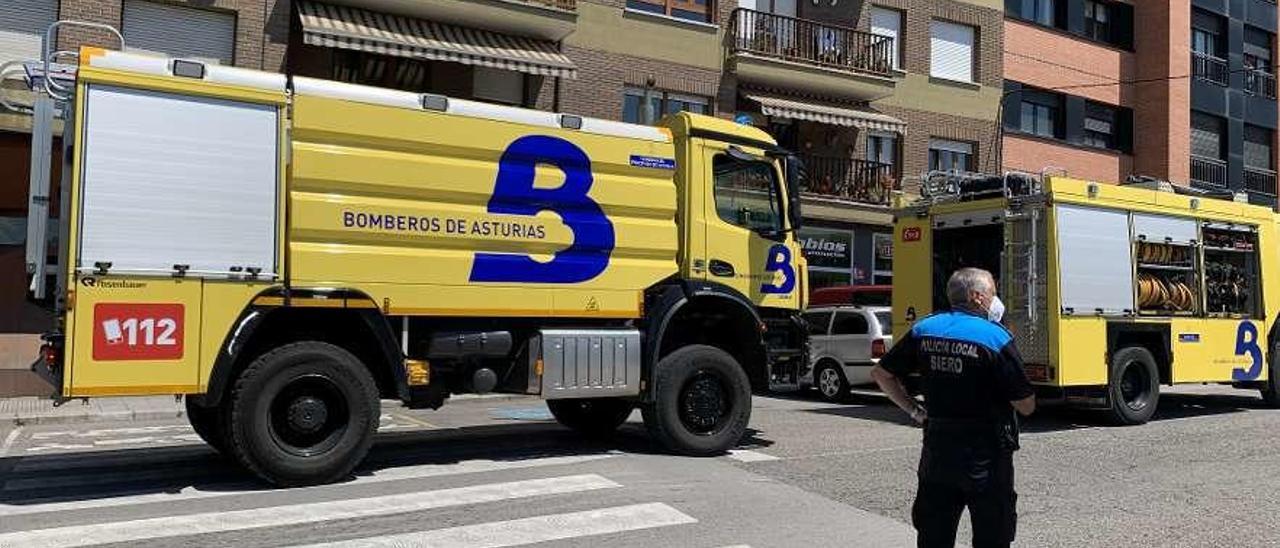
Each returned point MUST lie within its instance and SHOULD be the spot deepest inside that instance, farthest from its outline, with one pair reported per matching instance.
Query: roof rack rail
(948, 186)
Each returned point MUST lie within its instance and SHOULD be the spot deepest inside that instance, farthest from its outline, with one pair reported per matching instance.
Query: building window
(1259, 76)
(882, 148)
(947, 155)
(1043, 12)
(1207, 133)
(1040, 114)
(179, 31)
(498, 86)
(951, 51)
(888, 23)
(1257, 148)
(1097, 20)
(693, 10)
(746, 193)
(635, 110)
(1099, 126)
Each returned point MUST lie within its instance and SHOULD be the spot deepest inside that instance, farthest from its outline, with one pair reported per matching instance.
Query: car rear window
(886, 323)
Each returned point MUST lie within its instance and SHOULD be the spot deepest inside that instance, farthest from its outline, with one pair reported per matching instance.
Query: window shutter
(22, 26)
(951, 51)
(179, 31)
(888, 23)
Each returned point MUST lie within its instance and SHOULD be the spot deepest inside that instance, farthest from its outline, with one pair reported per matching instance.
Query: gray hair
(966, 281)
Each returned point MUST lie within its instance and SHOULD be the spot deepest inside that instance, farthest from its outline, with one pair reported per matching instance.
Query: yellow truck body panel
(1203, 346)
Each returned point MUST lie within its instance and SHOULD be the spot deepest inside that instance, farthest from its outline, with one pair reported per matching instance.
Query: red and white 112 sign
(135, 331)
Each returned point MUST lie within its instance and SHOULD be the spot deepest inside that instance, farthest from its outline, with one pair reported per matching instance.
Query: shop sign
(827, 248)
(884, 246)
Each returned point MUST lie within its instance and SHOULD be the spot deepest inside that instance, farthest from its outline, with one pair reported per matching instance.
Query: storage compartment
(968, 246)
(1168, 280)
(1231, 270)
(1095, 261)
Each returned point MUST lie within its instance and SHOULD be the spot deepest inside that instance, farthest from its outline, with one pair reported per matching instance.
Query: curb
(88, 417)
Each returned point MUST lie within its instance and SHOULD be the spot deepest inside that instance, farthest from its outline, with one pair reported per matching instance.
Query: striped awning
(375, 32)
(799, 110)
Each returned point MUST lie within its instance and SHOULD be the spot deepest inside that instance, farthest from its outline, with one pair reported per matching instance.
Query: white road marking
(108, 432)
(233, 489)
(8, 441)
(746, 455)
(59, 447)
(518, 532)
(299, 514)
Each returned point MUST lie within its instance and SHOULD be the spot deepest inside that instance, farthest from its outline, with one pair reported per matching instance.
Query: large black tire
(828, 379)
(1133, 386)
(701, 402)
(592, 417)
(1271, 386)
(209, 423)
(303, 414)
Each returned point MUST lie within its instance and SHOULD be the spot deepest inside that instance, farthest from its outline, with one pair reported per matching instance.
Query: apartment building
(1189, 98)
(872, 94)
(247, 33)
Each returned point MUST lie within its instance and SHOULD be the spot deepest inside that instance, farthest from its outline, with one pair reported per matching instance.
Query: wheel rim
(308, 416)
(1135, 386)
(705, 403)
(829, 382)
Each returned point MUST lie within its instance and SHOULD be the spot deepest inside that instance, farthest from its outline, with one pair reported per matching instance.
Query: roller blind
(22, 25)
(951, 51)
(179, 31)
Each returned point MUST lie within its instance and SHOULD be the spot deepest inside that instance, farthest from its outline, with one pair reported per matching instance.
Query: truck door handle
(720, 268)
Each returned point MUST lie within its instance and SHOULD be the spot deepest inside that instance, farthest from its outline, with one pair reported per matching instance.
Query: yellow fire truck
(287, 251)
(1111, 290)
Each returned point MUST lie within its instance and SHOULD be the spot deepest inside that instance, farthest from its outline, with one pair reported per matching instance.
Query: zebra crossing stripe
(299, 514)
(518, 532)
(233, 489)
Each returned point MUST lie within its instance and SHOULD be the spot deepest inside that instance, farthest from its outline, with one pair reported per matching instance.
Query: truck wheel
(1271, 386)
(303, 414)
(593, 417)
(1133, 389)
(701, 401)
(830, 381)
(209, 423)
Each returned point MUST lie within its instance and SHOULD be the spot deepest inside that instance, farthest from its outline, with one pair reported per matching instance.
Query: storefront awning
(825, 114)
(363, 30)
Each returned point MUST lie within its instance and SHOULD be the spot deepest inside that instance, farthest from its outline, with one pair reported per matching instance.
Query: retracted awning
(363, 30)
(840, 116)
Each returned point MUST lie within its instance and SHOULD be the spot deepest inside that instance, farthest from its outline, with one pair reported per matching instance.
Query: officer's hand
(919, 415)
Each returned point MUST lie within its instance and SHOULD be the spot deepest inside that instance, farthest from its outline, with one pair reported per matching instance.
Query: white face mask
(995, 310)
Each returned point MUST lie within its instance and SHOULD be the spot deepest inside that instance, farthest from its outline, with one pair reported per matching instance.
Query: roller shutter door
(179, 31)
(22, 25)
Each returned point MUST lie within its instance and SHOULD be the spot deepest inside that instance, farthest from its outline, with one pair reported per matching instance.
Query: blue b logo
(779, 260)
(514, 194)
(1247, 344)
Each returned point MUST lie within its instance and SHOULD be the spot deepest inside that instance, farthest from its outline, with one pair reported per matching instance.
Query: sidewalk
(20, 411)
(31, 410)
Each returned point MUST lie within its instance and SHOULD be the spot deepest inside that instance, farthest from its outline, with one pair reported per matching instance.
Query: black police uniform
(971, 372)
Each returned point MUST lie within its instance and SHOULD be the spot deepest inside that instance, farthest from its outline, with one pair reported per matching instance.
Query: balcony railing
(1209, 171)
(849, 179)
(1262, 181)
(1209, 68)
(1260, 83)
(810, 42)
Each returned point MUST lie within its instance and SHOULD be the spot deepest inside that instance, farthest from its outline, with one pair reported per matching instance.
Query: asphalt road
(497, 473)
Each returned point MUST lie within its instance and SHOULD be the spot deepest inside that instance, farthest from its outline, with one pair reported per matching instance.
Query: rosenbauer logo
(911, 234)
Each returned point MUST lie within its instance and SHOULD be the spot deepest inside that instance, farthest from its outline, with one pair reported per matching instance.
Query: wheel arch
(1156, 338)
(275, 318)
(680, 309)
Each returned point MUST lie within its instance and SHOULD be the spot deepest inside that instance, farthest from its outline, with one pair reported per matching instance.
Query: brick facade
(988, 66)
(603, 76)
(262, 27)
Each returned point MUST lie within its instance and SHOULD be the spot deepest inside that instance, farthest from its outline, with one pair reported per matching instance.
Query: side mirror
(795, 174)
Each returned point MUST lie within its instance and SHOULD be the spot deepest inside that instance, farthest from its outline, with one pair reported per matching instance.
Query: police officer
(973, 383)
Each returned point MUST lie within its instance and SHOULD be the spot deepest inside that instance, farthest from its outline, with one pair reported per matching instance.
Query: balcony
(544, 19)
(1210, 172)
(1210, 69)
(848, 179)
(1260, 83)
(806, 56)
(1260, 181)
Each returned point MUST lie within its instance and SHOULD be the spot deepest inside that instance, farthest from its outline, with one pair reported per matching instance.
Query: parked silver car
(846, 342)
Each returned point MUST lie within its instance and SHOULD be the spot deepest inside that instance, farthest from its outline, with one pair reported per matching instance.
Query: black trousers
(984, 486)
